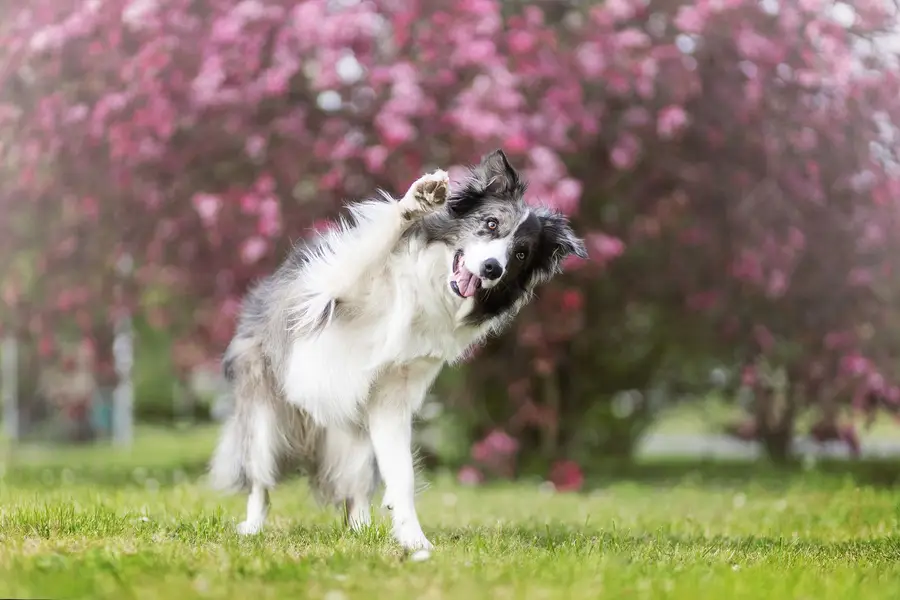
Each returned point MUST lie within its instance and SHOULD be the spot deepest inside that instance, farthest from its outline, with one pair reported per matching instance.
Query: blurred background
(732, 164)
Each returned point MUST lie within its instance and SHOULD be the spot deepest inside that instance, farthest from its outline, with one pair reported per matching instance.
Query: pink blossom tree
(731, 163)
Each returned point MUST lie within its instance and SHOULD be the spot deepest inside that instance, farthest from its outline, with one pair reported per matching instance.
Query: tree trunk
(775, 416)
(778, 444)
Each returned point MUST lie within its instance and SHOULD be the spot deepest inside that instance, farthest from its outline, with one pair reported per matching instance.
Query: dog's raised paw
(426, 194)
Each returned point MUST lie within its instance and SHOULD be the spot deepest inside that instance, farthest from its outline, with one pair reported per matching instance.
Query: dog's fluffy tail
(228, 470)
(249, 451)
(253, 444)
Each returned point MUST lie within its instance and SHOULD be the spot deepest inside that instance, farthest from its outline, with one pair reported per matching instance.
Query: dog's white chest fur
(406, 318)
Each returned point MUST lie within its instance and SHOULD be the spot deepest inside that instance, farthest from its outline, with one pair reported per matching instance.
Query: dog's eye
(492, 224)
(520, 255)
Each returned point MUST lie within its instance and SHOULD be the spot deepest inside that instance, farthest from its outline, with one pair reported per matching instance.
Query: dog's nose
(491, 269)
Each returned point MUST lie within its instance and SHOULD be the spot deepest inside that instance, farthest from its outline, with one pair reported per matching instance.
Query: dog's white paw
(359, 518)
(249, 527)
(426, 194)
(412, 538)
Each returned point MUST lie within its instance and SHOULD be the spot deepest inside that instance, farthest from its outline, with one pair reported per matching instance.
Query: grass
(95, 523)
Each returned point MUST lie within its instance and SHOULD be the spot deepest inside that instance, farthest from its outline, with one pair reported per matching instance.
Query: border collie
(335, 351)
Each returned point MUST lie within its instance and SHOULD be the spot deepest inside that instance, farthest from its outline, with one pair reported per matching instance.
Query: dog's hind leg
(257, 510)
(347, 475)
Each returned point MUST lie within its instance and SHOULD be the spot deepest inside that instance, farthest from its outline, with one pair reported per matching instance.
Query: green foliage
(154, 374)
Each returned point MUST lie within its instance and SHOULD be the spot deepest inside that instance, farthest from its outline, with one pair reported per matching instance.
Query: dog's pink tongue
(466, 282)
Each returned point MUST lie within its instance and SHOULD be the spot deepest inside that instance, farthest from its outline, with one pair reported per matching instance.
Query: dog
(334, 352)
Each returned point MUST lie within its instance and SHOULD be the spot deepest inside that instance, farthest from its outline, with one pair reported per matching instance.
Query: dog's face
(501, 247)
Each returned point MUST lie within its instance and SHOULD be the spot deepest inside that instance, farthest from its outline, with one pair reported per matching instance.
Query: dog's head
(501, 247)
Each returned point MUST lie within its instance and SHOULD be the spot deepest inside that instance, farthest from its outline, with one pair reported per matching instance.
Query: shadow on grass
(667, 543)
(878, 473)
(113, 476)
(713, 474)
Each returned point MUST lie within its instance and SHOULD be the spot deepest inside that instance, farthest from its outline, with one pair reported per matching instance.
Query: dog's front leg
(397, 397)
(347, 258)
(382, 226)
(391, 431)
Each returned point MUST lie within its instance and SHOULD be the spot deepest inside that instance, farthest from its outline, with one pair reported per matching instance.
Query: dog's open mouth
(463, 282)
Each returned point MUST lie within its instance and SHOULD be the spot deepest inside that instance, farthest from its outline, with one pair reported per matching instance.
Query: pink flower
(46, 346)
(632, 38)
(755, 47)
(670, 120)
(250, 203)
(811, 5)
(747, 268)
(265, 183)
(394, 129)
(546, 164)
(375, 158)
(253, 249)
(621, 9)
(573, 263)
(689, 19)
(836, 339)
(255, 146)
(591, 59)
(496, 452)
(572, 300)
(501, 442)
(893, 394)
(796, 238)
(566, 196)
(875, 382)
(860, 277)
(855, 364)
(480, 452)
(473, 53)
(603, 248)
(516, 143)
(778, 284)
(625, 153)
(470, 476)
(566, 476)
(90, 207)
(520, 41)
(207, 206)
(748, 376)
(269, 224)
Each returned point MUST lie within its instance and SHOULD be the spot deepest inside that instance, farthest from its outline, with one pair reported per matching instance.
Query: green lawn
(102, 524)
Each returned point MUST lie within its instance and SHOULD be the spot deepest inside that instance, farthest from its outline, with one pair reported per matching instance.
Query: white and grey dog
(335, 351)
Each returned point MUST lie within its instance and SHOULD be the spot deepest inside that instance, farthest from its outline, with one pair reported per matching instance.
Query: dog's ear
(496, 174)
(493, 176)
(558, 240)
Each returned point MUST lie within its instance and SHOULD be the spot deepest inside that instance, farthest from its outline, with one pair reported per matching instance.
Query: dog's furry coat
(335, 352)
